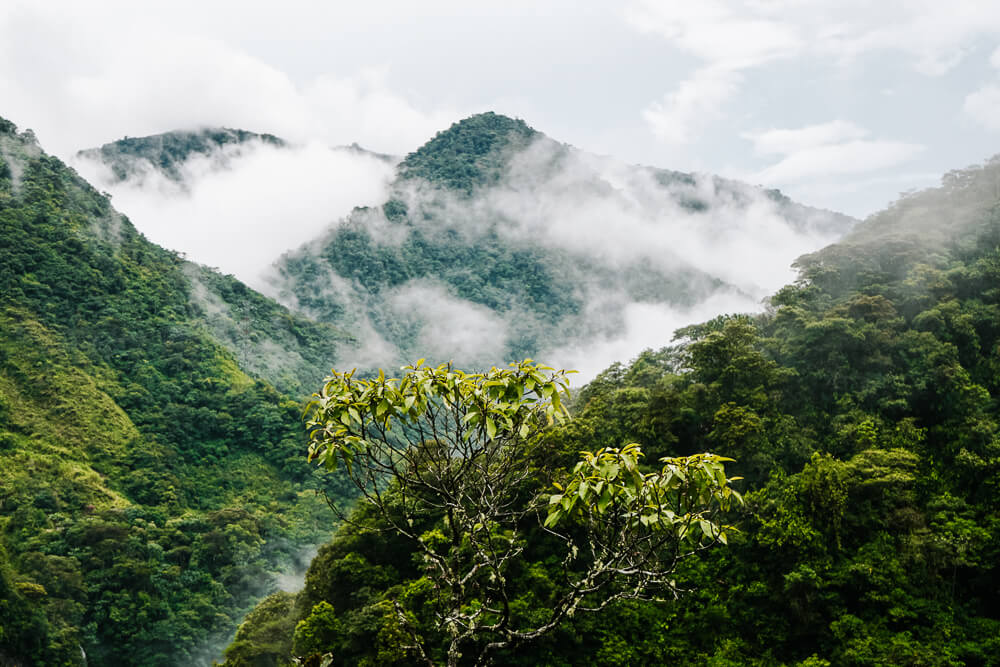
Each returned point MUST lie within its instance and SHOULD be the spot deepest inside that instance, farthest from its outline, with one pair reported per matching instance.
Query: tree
(454, 461)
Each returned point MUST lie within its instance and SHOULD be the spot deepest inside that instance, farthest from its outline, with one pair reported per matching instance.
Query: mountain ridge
(165, 152)
(151, 481)
(495, 219)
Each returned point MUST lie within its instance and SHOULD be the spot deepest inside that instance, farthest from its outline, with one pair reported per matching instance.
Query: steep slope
(151, 478)
(864, 411)
(497, 242)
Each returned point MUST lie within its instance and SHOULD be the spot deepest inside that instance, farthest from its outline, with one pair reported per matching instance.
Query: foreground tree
(454, 461)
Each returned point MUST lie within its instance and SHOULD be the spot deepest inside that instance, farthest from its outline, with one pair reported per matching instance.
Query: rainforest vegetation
(467, 221)
(861, 409)
(150, 489)
(154, 472)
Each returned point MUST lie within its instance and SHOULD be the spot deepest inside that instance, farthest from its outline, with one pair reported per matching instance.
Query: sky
(841, 104)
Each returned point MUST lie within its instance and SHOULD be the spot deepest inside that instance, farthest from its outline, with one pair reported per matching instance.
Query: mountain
(171, 155)
(863, 410)
(133, 158)
(152, 481)
(230, 198)
(496, 242)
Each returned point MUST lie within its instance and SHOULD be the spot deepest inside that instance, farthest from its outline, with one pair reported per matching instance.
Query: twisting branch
(445, 459)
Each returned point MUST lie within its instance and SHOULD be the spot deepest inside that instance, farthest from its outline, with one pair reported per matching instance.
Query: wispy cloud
(826, 150)
(641, 251)
(677, 118)
(728, 37)
(725, 40)
(982, 104)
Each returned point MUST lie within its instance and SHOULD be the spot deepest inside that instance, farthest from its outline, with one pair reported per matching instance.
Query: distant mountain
(152, 477)
(923, 227)
(171, 154)
(497, 242)
(165, 154)
(230, 198)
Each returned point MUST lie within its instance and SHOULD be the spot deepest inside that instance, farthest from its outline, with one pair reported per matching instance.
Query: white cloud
(715, 32)
(646, 326)
(240, 217)
(364, 107)
(851, 157)
(678, 117)
(824, 151)
(995, 58)
(983, 105)
(790, 141)
(935, 35)
(726, 35)
(115, 79)
(449, 328)
(725, 41)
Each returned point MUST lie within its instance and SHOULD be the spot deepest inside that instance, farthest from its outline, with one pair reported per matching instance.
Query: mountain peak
(470, 153)
(167, 151)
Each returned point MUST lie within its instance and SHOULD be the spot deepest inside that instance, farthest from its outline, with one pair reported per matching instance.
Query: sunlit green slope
(151, 478)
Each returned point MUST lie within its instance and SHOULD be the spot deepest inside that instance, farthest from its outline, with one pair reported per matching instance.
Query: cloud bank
(642, 252)
(239, 211)
(130, 75)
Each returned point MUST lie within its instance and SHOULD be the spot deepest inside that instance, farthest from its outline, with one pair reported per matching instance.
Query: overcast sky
(840, 103)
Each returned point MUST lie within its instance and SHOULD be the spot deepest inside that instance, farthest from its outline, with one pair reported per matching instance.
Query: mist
(238, 208)
(642, 251)
(628, 215)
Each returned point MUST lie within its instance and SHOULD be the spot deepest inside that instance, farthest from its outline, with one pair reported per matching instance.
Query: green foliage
(469, 154)
(607, 485)
(352, 416)
(263, 637)
(451, 461)
(149, 487)
(862, 410)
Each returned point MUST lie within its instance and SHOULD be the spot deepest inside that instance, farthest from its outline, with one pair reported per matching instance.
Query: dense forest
(151, 478)
(153, 474)
(862, 412)
(467, 232)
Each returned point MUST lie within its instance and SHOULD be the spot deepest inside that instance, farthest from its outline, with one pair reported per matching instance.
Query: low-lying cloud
(239, 208)
(646, 326)
(642, 251)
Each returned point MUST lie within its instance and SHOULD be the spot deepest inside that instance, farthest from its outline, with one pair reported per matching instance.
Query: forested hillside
(132, 158)
(151, 478)
(862, 410)
(497, 242)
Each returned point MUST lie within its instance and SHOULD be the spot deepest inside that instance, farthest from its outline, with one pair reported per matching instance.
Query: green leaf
(604, 501)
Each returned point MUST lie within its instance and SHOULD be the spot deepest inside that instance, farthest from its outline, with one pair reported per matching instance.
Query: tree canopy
(455, 463)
